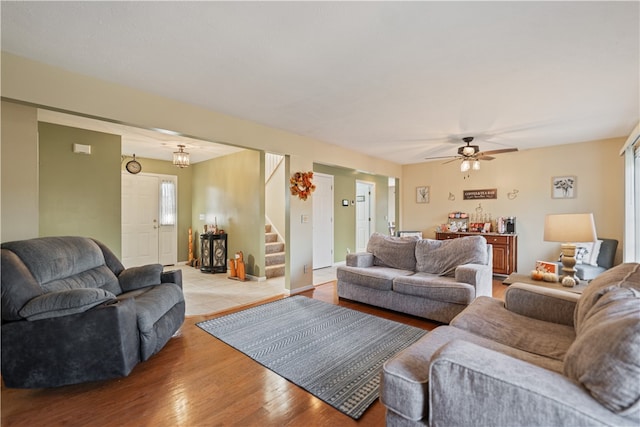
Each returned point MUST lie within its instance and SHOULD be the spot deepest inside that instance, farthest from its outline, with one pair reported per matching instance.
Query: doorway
(365, 220)
(323, 221)
(149, 219)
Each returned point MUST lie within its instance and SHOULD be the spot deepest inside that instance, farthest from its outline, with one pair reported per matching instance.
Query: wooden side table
(525, 278)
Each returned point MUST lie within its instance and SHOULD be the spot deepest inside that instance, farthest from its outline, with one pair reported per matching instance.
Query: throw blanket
(443, 256)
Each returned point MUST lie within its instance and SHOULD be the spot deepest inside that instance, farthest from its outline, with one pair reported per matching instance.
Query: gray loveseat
(72, 313)
(434, 279)
(544, 357)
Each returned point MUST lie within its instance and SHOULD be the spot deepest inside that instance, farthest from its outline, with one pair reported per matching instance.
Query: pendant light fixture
(181, 157)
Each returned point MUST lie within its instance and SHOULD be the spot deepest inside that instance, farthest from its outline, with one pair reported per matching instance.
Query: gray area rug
(333, 352)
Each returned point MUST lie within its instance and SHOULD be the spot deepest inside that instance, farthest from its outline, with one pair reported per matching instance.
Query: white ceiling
(396, 80)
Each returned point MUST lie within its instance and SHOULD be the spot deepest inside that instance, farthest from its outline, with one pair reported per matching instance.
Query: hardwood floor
(196, 380)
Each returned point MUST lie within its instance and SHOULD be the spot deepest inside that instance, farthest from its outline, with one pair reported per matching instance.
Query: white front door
(149, 219)
(139, 219)
(364, 214)
(322, 221)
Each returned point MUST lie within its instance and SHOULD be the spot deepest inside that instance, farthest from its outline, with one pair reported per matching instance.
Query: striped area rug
(333, 352)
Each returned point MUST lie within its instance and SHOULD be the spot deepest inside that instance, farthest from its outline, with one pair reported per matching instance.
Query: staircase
(274, 254)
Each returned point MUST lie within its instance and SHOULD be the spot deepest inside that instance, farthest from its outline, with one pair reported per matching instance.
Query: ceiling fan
(471, 155)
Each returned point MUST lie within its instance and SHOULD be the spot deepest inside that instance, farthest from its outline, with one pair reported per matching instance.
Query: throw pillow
(443, 256)
(395, 252)
(605, 356)
(64, 303)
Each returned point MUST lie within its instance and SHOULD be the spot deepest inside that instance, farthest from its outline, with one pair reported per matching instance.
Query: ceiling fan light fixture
(465, 166)
(476, 165)
(181, 157)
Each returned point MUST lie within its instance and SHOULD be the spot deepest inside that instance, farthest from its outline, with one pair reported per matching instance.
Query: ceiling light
(465, 166)
(476, 165)
(469, 150)
(180, 157)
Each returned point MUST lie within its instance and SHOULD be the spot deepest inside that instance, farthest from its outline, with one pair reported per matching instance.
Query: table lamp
(568, 229)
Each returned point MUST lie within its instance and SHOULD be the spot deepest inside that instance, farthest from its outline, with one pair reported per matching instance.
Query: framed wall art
(422, 194)
(563, 187)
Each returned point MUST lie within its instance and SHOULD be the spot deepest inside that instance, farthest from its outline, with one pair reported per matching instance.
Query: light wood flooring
(195, 380)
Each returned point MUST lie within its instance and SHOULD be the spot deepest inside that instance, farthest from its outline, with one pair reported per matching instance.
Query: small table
(526, 278)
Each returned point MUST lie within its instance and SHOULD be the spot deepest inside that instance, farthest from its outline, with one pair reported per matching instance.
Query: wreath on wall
(301, 184)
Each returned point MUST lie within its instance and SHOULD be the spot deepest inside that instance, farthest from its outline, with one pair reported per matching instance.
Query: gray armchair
(606, 258)
(72, 313)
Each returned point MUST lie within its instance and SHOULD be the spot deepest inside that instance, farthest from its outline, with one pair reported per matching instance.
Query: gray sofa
(543, 357)
(434, 279)
(72, 313)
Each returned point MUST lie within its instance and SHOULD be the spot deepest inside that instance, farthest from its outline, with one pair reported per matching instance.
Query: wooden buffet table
(505, 249)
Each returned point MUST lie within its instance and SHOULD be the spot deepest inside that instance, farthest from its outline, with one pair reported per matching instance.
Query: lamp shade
(569, 228)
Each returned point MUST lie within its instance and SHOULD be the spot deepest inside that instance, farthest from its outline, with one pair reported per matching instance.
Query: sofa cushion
(605, 357)
(434, 287)
(443, 256)
(487, 317)
(394, 252)
(623, 276)
(63, 303)
(380, 278)
(405, 377)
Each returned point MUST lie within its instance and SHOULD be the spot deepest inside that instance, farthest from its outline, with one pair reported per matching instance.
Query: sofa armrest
(472, 385)
(360, 259)
(172, 276)
(478, 275)
(536, 302)
(64, 303)
(139, 277)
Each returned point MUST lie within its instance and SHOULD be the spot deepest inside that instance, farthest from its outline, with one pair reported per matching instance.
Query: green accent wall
(230, 190)
(344, 221)
(79, 193)
(185, 176)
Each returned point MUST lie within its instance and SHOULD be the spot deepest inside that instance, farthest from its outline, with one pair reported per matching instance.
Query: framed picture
(547, 267)
(422, 194)
(563, 187)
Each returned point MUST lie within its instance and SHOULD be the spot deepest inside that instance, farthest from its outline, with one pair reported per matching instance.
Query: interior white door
(139, 219)
(322, 221)
(364, 191)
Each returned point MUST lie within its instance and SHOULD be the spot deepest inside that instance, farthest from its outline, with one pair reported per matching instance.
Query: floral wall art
(563, 187)
(301, 184)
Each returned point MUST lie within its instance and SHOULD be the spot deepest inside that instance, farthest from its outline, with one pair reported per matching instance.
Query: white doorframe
(365, 213)
(323, 214)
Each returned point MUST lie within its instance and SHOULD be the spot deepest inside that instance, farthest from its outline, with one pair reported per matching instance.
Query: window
(167, 203)
(631, 252)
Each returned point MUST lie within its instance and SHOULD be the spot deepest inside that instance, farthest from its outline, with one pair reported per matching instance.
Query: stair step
(274, 247)
(267, 228)
(270, 237)
(274, 258)
(274, 271)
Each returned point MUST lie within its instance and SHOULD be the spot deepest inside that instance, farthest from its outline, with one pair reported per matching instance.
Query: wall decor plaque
(489, 193)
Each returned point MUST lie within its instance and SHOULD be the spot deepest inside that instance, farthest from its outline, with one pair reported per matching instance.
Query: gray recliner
(72, 313)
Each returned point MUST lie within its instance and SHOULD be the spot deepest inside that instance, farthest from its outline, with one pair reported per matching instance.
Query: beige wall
(19, 155)
(229, 190)
(43, 85)
(597, 165)
(79, 194)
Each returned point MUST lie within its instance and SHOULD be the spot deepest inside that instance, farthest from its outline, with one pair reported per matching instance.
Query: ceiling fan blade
(492, 152)
(484, 157)
(452, 160)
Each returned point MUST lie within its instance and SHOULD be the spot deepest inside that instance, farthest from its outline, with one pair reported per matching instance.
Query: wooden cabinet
(505, 249)
(213, 253)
